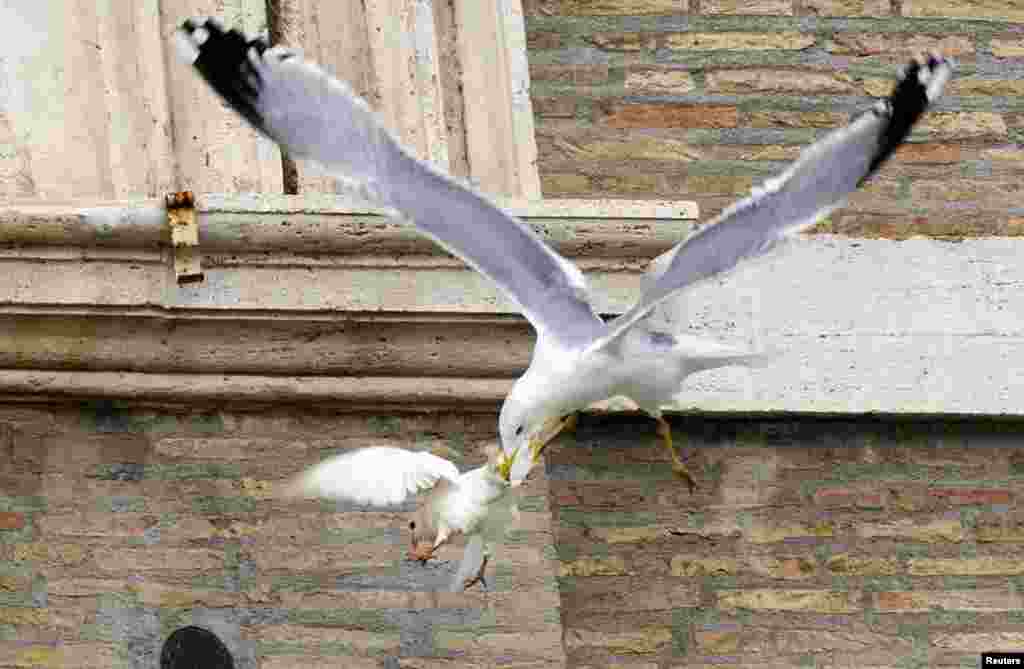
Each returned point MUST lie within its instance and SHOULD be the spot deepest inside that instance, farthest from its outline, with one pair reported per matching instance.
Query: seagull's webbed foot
(479, 578)
(678, 468)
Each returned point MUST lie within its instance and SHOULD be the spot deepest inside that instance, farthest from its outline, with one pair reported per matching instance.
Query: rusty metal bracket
(183, 221)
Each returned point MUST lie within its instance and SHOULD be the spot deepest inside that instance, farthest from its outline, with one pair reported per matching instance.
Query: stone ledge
(917, 326)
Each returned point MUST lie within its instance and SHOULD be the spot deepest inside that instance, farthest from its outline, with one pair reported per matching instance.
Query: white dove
(578, 358)
(475, 503)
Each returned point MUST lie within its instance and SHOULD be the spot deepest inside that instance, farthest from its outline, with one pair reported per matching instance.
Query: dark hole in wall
(195, 648)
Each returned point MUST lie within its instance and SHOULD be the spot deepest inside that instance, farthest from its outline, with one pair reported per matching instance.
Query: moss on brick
(364, 535)
(120, 504)
(19, 536)
(384, 424)
(296, 583)
(535, 503)
(223, 505)
(23, 503)
(886, 583)
(576, 518)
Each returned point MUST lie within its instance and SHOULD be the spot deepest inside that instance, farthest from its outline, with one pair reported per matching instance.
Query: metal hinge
(183, 221)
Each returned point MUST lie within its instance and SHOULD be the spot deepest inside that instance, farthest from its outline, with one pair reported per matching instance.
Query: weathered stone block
(977, 642)
(157, 557)
(620, 115)
(624, 41)
(609, 7)
(739, 41)
(787, 568)
(766, 532)
(712, 642)
(17, 615)
(689, 567)
(999, 10)
(577, 75)
(779, 81)
(644, 641)
(672, 81)
(988, 600)
(848, 7)
(633, 183)
(1011, 47)
(978, 566)
(963, 125)
(897, 46)
(792, 119)
(555, 185)
(765, 7)
(862, 566)
(935, 531)
(821, 601)
(629, 535)
(613, 566)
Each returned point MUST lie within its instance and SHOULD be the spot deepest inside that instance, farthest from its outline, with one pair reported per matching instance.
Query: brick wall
(812, 542)
(118, 526)
(699, 99)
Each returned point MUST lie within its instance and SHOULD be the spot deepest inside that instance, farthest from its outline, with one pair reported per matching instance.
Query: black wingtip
(919, 83)
(223, 61)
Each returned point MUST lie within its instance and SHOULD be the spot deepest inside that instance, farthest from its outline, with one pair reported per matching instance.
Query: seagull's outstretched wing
(812, 187)
(379, 475)
(313, 115)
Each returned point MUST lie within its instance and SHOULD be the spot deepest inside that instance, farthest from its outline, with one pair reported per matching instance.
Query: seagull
(578, 359)
(475, 503)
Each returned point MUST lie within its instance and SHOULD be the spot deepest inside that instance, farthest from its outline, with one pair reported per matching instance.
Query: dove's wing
(812, 187)
(380, 476)
(313, 115)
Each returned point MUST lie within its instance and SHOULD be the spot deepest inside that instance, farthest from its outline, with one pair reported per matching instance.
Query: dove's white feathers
(379, 475)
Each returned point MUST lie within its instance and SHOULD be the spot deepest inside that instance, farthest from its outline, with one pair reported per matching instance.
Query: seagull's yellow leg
(678, 468)
(551, 429)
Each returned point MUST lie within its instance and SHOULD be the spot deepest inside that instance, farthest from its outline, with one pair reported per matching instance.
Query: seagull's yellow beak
(548, 431)
(505, 464)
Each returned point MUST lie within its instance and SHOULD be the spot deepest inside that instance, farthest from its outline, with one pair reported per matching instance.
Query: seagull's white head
(515, 425)
(525, 427)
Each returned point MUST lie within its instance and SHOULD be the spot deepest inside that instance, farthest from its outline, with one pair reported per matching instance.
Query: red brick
(849, 497)
(959, 496)
(670, 116)
(896, 601)
(928, 153)
(11, 520)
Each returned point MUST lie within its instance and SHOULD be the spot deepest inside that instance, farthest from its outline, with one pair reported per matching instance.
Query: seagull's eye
(519, 430)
